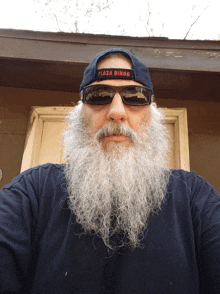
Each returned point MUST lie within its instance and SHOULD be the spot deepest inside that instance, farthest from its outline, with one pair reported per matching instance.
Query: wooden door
(44, 137)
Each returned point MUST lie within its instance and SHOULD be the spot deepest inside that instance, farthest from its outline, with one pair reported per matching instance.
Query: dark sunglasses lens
(103, 94)
(98, 95)
(136, 95)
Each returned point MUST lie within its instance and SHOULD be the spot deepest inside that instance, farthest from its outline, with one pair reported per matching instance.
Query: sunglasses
(103, 94)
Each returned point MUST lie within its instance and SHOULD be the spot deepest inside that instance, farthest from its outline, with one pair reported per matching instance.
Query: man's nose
(116, 111)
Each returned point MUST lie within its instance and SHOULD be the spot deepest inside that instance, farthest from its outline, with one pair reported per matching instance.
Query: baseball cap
(138, 73)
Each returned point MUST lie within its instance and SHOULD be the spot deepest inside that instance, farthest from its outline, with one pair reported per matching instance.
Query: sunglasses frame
(116, 89)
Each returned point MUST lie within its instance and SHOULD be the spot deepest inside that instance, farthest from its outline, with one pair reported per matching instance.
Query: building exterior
(45, 69)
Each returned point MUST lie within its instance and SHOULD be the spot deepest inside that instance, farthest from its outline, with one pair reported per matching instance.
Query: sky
(174, 19)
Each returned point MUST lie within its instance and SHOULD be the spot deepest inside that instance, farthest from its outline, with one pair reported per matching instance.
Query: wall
(15, 108)
(204, 136)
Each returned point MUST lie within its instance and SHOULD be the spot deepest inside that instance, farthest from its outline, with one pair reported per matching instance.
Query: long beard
(114, 192)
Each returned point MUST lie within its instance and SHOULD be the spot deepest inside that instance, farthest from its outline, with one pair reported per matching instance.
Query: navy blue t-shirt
(43, 250)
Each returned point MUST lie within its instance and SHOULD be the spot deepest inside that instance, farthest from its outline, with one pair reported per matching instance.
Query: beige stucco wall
(15, 107)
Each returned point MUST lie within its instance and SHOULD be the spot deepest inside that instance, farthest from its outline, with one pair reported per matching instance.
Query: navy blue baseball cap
(138, 73)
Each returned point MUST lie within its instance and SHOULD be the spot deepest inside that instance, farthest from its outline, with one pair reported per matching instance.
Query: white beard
(115, 191)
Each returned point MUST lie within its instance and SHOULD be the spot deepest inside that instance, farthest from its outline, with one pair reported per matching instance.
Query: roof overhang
(56, 61)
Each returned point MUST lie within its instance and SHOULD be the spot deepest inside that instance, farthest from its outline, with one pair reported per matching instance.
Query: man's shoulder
(40, 173)
(44, 168)
(190, 183)
(180, 175)
(182, 172)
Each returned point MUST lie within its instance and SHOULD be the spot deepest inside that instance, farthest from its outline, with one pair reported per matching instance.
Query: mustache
(116, 129)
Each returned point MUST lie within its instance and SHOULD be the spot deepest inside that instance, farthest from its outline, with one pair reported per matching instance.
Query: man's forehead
(115, 62)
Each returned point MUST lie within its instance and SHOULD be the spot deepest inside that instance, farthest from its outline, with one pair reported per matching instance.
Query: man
(114, 218)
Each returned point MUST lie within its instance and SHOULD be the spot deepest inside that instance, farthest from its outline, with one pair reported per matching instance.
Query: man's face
(116, 112)
(114, 191)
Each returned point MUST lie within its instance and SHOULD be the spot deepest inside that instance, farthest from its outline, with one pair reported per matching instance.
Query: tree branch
(56, 21)
(194, 23)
